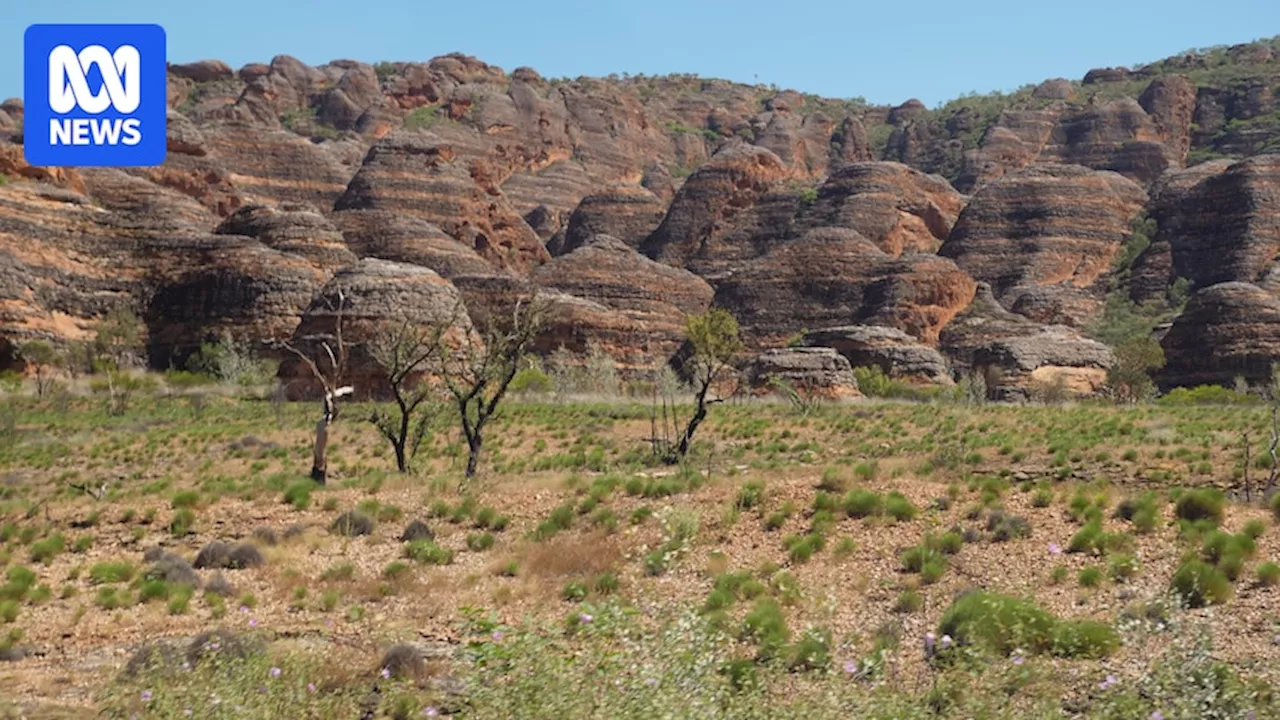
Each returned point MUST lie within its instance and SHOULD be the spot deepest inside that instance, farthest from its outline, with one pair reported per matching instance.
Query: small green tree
(713, 341)
(1129, 378)
(45, 363)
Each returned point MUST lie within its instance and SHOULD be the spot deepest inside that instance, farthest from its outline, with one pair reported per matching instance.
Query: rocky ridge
(958, 233)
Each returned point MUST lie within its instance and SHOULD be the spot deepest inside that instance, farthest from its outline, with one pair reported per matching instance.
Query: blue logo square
(94, 95)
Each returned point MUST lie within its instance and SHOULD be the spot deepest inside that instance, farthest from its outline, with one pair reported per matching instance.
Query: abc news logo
(69, 89)
(95, 95)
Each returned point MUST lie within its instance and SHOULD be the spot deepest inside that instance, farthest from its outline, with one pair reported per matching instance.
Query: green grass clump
(105, 573)
(428, 553)
(1087, 540)
(767, 627)
(1001, 624)
(185, 499)
(1268, 574)
(1083, 639)
(801, 548)
(909, 601)
(42, 551)
(898, 507)
(184, 520)
(299, 494)
(1089, 577)
(1201, 584)
(1200, 504)
(862, 503)
(479, 542)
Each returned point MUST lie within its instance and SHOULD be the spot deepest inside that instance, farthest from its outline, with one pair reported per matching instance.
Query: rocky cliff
(961, 231)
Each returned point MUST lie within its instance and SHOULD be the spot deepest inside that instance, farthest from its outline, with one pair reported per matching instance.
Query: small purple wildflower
(1157, 715)
(430, 711)
(1108, 683)
(275, 672)
(146, 696)
(253, 622)
(497, 636)
(244, 608)
(585, 618)
(930, 641)
(850, 667)
(1017, 659)
(386, 672)
(311, 687)
(1055, 549)
(214, 646)
(945, 642)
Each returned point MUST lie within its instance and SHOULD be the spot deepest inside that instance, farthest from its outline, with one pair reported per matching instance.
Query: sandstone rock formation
(1020, 366)
(898, 354)
(417, 175)
(280, 174)
(1222, 223)
(813, 372)
(897, 208)
(292, 228)
(1043, 226)
(627, 212)
(637, 306)
(731, 183)
(1227, 330)
(834, 276)
(368, 297)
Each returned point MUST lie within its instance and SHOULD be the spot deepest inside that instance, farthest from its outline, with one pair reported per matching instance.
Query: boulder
(1018, 367)
(898, 354)
(813, 372)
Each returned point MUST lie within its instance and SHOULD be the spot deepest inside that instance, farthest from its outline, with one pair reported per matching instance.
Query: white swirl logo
(69, 87)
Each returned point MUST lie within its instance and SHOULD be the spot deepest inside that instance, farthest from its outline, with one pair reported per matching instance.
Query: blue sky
(885, 51)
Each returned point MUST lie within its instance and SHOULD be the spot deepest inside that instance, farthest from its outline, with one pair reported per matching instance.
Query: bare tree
(713, 343)
(478, 372)
(405, 352)
(333, 355)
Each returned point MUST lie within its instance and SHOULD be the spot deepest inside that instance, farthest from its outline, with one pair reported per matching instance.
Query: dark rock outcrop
(1227, 330)
(813, 372)
(896, 353)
